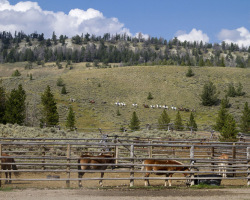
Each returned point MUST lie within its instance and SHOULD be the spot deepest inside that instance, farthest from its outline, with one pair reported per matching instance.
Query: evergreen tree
(178, 122)
(163, 120)
(189, 72)
(225, 102)
(239, 89)
(16, 73)
(59, 82)
(118, 112)
(134, 122)
(245, 119)
(231, 90)
(63, 91)
(229, 131)
(70, 119)
(2, 103)
(150, 96)
(209, 96)
(221, 118)
(192, 124)
(50, 114)
(15, 106)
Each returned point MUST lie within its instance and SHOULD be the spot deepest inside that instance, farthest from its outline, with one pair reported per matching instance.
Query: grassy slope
(168, 85)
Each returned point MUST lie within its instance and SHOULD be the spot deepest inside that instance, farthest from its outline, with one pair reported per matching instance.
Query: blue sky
(210, 20)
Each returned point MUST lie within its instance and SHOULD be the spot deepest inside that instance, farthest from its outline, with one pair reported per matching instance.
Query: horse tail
(14, 167)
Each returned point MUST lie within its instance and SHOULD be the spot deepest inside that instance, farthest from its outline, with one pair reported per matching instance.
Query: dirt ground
(114, 189)
(126, 194)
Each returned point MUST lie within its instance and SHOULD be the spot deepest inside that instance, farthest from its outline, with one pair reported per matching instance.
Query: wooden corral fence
(45, 155)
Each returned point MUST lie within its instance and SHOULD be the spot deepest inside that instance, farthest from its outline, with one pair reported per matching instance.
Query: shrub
(60, 82)
(16, 73)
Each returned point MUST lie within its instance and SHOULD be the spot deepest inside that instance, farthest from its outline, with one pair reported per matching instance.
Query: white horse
(135, 105)
(165, 107)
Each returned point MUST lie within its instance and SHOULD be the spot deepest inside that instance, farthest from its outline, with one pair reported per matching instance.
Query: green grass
(168, 85)
(6, 189)
(205, 186)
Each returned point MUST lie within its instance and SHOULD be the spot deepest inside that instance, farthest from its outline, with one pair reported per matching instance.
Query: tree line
(13, 108)
(120, 48)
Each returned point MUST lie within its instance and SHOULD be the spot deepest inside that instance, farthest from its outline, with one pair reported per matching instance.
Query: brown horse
(8, 167)
(87, 160)
(223, 165)
(160, 165)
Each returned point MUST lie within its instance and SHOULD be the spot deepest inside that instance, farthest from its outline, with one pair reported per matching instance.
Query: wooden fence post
(234, 157)
(68, 166)
(191, 164)
(212, 157)
(150, 150)
(132, 167)
(43, 155)
(248, 169)
(0, 165)
(116, 154)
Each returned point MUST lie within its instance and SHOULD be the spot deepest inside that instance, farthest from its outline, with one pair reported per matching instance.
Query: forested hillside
(86, 75)
(121, 49)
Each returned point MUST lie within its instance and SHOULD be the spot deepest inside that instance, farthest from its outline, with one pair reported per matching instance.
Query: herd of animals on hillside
(135, 105)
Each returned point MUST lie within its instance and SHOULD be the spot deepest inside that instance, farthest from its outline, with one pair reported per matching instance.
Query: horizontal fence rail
(60, 156)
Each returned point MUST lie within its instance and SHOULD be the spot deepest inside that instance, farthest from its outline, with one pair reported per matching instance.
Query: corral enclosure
(53, 162)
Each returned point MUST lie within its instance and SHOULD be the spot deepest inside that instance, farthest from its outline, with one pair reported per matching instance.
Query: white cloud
(29, 17)
(141, 35)
(194, 35)
(240, 36)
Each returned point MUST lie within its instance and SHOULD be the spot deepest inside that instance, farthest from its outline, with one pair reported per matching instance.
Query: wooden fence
(43, 156)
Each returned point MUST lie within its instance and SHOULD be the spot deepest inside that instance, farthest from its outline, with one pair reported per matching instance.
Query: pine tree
(50, 114)
(192, 122)
(178, 122)
(63, 91)
(221, 118)
(231, 92)
(189, 72)
(16, 73)
(245, 119)
(59, 82)
(229, 131)
(209, 96)
(150, 96)
(225, 102)
(70, 119)
(118, 112)
(239, 89)
(163, 120)
(134, 122)
(15, 106)
(2, 103)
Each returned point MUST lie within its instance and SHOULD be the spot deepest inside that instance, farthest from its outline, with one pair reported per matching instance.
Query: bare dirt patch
(126, 194)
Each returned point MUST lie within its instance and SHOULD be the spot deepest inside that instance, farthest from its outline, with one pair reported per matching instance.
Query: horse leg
(146, 181)
(166, 180)
(80, 175)
(7, 178)
(10, 178)
(100, 182)
(169, 180)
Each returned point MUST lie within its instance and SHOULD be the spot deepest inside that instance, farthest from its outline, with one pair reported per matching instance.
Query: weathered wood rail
(60, 156)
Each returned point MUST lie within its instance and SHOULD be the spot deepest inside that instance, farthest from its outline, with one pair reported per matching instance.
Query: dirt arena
(114, 189)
